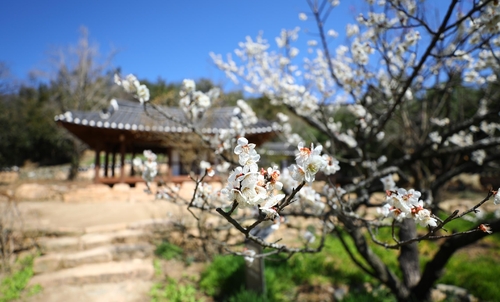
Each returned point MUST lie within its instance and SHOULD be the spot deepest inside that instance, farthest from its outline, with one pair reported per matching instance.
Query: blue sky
(168, 39)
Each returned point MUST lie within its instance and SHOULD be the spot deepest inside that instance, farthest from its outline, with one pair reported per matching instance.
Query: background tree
(80, 79)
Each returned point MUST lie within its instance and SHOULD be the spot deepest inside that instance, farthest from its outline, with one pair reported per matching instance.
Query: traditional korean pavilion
(133, 128)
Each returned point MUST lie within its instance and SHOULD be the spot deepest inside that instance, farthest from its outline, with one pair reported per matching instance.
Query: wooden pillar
(132, 169)
(122, 158)
(166, 158)
(106, 162)
(97, 164)
(113, 163)
(170, 163)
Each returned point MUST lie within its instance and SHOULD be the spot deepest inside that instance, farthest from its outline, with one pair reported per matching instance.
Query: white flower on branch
(403, 204)
(423, 217)
(131, 85)
(272, 176)
(249, 256)
(309, 237)
(313, 166)
(332, 165)
(478, 156)
(348, 139)
(188, 86)
(388, 182)
(207, 167)
(268, 208)
(435, 137)
(247, 113)
(440, 122)
(250, 193)
(358, 110)
(143, 93)
(309, 162)
(461, 139)
(283, 118)
(496, 200)
(352, 29)
(332, 33)
(305, 153)
(297, 173)
(195, 103)
(380, 136)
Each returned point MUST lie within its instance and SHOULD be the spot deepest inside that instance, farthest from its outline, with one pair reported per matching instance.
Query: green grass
(167, 251)
(172, 291)
(14, 284)
(169, 289)
(247, 296)
(225, 275)
(224, 278)
(480, 276)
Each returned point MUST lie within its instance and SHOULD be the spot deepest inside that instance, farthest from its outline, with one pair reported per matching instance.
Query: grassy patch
(224, 278)
(479, 275)
(14, 284)
(167, 251)
(172, 291)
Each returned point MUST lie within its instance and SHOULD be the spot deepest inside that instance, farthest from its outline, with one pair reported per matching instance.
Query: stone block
(121, 187)
(137, 269)
(57, 245)
(34, 191)
(47, 263)
(132, 251)
(97, 255)
(106, 228)
(90, 241)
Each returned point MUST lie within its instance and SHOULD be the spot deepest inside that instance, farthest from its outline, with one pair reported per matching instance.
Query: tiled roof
(133, 116)
(278, 148)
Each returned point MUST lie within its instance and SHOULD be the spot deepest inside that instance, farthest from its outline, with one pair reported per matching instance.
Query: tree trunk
(409, 256)
(75, 159)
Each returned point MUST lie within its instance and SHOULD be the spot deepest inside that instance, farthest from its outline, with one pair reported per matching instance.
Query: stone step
(106, 228)
(89, 241)
(126, 291)
(109, 272)
(118, 252)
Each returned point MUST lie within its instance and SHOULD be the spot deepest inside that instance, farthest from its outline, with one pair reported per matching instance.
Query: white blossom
(478, 156)
(497, 197)
(207, 167)
(388, 182)
(268, 208)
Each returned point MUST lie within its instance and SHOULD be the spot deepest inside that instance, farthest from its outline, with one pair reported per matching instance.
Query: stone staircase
(104, 263)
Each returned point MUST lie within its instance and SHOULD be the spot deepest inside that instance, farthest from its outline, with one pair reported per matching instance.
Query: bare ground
(124, 206)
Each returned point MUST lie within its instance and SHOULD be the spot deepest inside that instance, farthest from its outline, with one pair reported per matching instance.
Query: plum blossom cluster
(286, 129)
(131, 85)
(194, 103)
(243, 116)
(149, 167)
(309, 162)
(403, 204)
(249, 187)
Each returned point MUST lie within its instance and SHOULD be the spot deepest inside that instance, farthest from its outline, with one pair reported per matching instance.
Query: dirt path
(91, 223)
(50, 214)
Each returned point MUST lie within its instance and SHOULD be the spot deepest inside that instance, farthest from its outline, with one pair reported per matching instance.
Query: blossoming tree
(423, 106)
